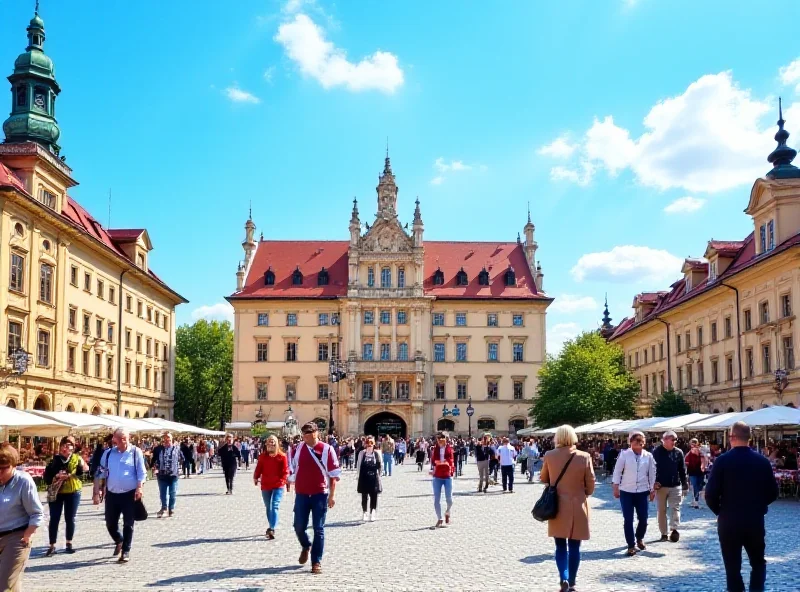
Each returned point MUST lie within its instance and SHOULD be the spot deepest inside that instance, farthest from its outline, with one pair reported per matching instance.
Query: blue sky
(634, 128)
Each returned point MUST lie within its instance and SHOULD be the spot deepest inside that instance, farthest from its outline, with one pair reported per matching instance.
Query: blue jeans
(697, 485)
(438, 483)
(317, 507)
(68, 503)
(568, 558)
(167, 488)
(629, 503)
(272, 501)
(387, 463)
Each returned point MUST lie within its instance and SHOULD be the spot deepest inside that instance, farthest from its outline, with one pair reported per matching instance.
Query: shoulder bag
(139, 509)
(547, 507)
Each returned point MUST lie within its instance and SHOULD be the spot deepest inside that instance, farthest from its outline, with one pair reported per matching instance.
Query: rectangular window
(334, 318)
(402, 352)
(322, 352)
(17, 278)
(645, 356)
(663, 382)
(73, 318)
(101, 289)
(403, 390)
(438, 319)
(636, 357)
(386, 277)
(367, 390)
(699, 337)
(291, 351)
(127, 372)
(164, 381)
(439, 389)
(139, 309)
(517, 320)
(492, 355)
(386, 317)
(73, 275)
(401, 278)
(688, 340)
(661, 351)
(518, 352)
(680, 378)
(788, 353)
(770, 235)
(334, 350)
(129, 303)
(112, 295)
(678, 343)
(138, 344)
(263, 319)
(728, 327)
(71, 358)
(385, 390)
(786, 305)
(461, 352)
(370, 277)
(155, 377)
(653, 353)
(87, 281)
(322, 391)
(262, 352)
(386, 351)
(729, 368)
(491, 390)
(763, 238)
(518, 390)
(87, 319)
(43, 351)
(86, 368)
(401, 317)
(111, 332)
(367, 353)
(714, 372)
(461, 390)
(261, 391)
(98, 365)
(149, 314)
(700, 374)
(138, 381)
(491, 319)
(128, 338)
(291, 319)
(438, 352)
(748, 320)
(46, 283)
(98, 328)
(164, 353)
(689, 377)
(323, 319)
(713, 332)
(110, 367)
(14, 336)
(750, 368)
(461, 319)
(766, 362)
(368, 317)
(763, 312)
(291, 390)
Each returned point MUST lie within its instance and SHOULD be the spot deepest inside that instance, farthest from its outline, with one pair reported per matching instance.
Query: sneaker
(640, 544)
(316, 568)
(161, 513)
(675, 536)
(373, 516)
(365, 517)
(123, 557)
(304, 556)
(117, 549)
(664, 538)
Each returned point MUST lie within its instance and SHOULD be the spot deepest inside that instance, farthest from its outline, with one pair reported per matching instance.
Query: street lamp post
(337, 371)
(470, 413)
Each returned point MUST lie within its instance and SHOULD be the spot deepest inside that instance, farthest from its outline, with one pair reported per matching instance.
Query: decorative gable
(386, 236)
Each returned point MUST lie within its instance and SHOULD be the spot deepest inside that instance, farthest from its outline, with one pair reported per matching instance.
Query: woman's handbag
(139, 511)
(53, 489)
(547, 507)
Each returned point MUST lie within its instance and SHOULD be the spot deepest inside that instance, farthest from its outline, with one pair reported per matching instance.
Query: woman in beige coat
(571, 524)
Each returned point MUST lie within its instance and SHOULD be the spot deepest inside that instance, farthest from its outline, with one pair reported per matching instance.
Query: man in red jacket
(442, 469)
(314, 470)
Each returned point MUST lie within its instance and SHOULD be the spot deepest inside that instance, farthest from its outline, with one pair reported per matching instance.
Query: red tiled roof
(744, 259)
(283, 257)
(124, 235)
(695, 264)
(9, 179)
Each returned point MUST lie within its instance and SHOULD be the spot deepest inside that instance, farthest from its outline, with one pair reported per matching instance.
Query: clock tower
(33, 90)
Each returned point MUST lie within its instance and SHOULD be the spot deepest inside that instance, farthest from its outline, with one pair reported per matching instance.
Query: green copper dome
(35, 61)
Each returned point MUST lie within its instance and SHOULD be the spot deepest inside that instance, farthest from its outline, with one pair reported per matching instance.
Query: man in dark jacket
(229, 457)
(671, 485)
(739, 491)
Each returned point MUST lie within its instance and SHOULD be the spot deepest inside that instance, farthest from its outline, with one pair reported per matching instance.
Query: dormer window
(47, 198)
(461, 278)
(770, 235)
(269, 277)
(510, 277)
(688, 283)
(483, 277)
(22, 93)
(322, 277)
(438, 278)
(712, 271)
(297, 277)
(140, 261)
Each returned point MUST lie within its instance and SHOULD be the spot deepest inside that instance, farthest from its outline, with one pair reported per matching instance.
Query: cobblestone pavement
(216, 542)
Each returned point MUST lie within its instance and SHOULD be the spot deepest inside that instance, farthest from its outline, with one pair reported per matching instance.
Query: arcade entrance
(384, 423)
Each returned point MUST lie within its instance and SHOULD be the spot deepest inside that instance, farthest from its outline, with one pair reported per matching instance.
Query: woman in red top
(442, 468)
(273, 469)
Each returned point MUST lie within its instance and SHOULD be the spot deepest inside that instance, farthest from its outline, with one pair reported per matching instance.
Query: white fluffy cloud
(237, 95)
(710, 138)
(570, 304)
(444, 169)
(790, 74)
(558, 148)
(627, 263)
(685, 205)
(305, 44)
(558, 334)
(221, 311)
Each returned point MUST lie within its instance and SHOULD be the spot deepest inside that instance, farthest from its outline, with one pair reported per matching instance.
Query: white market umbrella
(527, 431)
(774, 416)
(718, 421)
(676, 424)
(595, 428)
(180, 428)
(627, 427)
(28, 424)
(135, 426)
(81, 422)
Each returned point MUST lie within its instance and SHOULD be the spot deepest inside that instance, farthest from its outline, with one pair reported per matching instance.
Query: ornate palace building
(420, 326)
(724, 333)
(98, 324)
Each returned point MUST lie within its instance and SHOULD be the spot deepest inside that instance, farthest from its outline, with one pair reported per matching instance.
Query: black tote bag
(547, 507)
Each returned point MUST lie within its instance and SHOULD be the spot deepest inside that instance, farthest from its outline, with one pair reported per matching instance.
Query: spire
(606, 316)
(387, 191)
(417, 213)
(387, 165)
(529, 213)
(782, 157)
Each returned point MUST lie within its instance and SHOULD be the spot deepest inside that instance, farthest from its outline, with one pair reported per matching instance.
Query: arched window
(386, 277)
(321, 423)
(446, 425)
(792, 405)
(461, 278)
(297, 277)
(749, 409)
(716, 410)
(401, 277)
(516, 424)
(269, 277)
(510, 277)
(322, 277)
(438, 277)
(41, 404)
(136, 415)
(486, 424)
(71, 408)
(483, 277)
(730, 410)
(146, 414)
(11, 403)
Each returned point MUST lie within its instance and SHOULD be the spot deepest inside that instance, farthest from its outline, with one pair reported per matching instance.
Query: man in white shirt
(507, 455)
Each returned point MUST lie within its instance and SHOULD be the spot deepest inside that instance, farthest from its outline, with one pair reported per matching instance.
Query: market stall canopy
(774, 416)
(135, 426)
(626, 427)
(527, 431)
(238, 425)
(677, 424)
(594, 428)
(181, 428)
(717, 422)
(538, 432)
(28, 424)
(81, 422)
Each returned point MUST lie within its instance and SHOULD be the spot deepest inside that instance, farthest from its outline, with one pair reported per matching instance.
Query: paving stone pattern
(216, 542)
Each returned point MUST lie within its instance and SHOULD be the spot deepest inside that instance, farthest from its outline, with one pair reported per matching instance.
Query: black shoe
(69, 549)
(564, 586)
(117, 549)
(51, 550)
(675, 536)
(664, 538)
(123, 557)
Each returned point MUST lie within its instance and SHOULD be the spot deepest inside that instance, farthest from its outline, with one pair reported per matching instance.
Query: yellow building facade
(97, 325)
(723, 335)
(415, 327)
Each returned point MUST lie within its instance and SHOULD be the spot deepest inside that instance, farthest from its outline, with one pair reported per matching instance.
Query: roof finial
(387, 166)
(782, 157)
(36, 10)
(529, 212)
(250, 211)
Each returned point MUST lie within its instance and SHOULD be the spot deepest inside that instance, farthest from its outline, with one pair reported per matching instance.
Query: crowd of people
(739, 485)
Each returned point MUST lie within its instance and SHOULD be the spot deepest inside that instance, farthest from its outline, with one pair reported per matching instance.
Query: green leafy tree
(585, 383)
(670, 404)
(204, 373)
